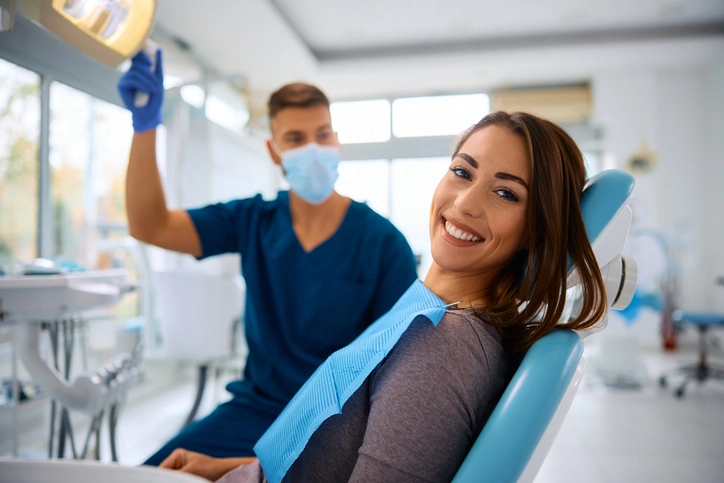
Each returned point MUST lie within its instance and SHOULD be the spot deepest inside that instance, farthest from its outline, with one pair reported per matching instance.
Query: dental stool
(702, 370)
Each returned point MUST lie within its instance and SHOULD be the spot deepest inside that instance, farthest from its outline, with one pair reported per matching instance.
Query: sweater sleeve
(250, 473)
(428, 402)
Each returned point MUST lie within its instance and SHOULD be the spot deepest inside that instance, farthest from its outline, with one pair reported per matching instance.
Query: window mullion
(45, 207)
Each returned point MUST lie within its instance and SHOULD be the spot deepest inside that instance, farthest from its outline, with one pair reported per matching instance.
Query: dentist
(319, 267)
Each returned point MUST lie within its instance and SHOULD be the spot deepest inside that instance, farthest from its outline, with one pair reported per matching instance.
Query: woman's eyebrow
(511, 177)
(500, 175)
(470, 160)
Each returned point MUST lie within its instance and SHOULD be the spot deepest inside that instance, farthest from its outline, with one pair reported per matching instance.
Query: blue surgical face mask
(312, 171)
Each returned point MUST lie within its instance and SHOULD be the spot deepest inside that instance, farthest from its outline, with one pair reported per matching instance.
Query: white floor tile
(570, 466)
(641, 468)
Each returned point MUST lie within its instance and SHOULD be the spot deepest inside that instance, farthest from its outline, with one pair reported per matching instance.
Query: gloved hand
(140, 78)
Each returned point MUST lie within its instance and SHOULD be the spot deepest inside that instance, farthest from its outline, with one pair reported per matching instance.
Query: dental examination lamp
(110, 31)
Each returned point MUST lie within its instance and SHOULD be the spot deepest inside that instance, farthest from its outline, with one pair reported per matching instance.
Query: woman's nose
(469, 202)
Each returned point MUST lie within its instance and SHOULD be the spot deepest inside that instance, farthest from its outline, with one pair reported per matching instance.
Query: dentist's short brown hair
(297, 94)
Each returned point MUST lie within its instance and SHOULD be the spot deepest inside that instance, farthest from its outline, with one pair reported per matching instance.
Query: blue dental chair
(517, 437)
(521, 429)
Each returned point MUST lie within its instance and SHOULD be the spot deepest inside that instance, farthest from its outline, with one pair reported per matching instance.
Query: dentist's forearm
(145, 200)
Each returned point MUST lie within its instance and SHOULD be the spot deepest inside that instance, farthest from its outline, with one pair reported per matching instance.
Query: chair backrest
(196, 312)
(515, 440)
(547, 374)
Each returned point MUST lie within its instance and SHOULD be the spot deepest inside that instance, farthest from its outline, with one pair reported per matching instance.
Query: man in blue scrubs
(319, 267)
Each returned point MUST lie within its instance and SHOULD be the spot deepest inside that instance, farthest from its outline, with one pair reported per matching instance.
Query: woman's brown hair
(529, 296)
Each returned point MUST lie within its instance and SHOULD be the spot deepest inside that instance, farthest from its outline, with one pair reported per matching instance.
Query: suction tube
(87, 393)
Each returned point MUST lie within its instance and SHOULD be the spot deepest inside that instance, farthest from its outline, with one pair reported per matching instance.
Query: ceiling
(357, 49)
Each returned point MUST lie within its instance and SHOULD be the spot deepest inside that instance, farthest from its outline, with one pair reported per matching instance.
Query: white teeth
(459, 234)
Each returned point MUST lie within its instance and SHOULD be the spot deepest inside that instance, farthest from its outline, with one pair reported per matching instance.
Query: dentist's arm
(149, 219)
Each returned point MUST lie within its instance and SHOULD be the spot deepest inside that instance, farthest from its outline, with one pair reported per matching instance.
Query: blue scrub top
(301, 307)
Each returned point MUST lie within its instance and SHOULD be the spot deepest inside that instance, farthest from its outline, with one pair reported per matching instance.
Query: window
(19, 135)
(89, 144)
(414, 182)
(361, 121)
(438, 115)
(367, 182)
(227, 106)
(593, 162)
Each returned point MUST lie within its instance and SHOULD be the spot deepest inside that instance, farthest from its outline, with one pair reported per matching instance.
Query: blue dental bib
(332, 384)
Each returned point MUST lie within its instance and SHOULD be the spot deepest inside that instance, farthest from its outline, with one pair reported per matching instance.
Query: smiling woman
(504, 221)
(522, 166)
(478, 218)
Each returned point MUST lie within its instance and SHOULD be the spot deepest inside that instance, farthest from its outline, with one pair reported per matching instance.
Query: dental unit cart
(31, 303)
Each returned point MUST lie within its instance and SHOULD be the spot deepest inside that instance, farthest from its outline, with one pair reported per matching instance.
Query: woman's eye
(461, 173)
(507, 194)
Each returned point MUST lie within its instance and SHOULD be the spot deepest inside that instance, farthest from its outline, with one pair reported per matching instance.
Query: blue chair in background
(702, 370)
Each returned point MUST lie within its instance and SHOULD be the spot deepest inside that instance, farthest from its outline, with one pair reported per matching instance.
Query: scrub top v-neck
(302, 306)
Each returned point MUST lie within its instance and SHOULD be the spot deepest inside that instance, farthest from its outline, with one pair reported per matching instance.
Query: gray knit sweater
(417, 414)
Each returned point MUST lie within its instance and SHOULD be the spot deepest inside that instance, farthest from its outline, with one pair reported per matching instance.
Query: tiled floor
(610, 435)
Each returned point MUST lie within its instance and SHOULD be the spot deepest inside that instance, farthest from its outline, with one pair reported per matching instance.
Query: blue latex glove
(141, 78)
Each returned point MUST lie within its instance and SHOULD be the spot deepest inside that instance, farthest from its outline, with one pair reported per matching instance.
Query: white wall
(678, 112)
(241, 166)
(712, 250)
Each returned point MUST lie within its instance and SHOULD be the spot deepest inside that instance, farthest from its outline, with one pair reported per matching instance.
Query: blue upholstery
(702, 319)
(605, 195)
(704, 369)
(523, 413)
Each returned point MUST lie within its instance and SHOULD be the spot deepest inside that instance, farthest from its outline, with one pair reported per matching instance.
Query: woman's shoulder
(459, 338)
(465, 322)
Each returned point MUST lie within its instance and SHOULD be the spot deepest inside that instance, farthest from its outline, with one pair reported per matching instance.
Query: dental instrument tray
(47, 297)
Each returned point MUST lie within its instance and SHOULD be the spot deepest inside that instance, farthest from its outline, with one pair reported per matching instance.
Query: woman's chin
(452, 264)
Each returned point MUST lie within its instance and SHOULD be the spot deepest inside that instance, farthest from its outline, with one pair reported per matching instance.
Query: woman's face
(478, 213)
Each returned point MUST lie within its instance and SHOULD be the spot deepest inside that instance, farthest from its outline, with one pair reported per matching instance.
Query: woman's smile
(459, 234)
